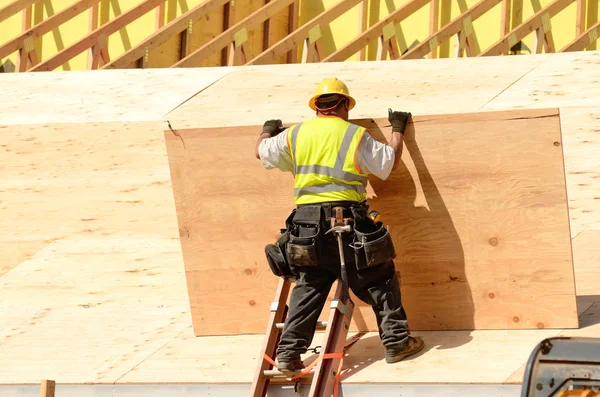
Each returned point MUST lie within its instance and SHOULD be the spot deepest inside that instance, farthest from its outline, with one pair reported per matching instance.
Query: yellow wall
(414, 29)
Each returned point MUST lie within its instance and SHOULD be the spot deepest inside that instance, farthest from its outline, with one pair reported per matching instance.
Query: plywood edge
(568, 215)
(496, 115)
(493, 115)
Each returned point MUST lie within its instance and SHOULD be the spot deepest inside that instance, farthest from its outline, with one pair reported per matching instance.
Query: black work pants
(377, 286)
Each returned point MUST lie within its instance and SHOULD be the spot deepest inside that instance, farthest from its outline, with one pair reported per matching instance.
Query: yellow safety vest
(324, 154)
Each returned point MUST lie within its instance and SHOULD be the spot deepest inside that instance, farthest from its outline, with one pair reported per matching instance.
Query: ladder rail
(260, 383)
(322, 377)
(326, 371)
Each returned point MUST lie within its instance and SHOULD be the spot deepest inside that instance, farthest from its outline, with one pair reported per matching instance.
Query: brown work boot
(290, 366)
(414, 346)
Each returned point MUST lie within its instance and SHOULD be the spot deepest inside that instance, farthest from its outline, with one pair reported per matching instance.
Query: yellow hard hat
(331, 86)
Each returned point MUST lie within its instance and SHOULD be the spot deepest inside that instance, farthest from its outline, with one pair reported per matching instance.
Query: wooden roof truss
(232, 43)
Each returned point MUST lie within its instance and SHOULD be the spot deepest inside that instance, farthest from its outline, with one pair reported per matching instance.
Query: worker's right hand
(398, 120)
(272, 127)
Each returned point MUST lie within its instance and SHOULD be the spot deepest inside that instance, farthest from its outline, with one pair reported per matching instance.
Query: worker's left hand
(398, 120)
(273, 127)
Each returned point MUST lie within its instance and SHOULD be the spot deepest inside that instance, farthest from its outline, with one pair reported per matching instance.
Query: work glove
(398, 120)
(272, 127)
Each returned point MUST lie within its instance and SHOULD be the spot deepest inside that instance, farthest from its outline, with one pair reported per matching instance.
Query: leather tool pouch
(276, 253)
(276, 257)
(373, 245)
(303, 247)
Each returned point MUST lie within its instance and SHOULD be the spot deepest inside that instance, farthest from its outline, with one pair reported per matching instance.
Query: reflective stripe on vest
(344, 181)
(330, 187)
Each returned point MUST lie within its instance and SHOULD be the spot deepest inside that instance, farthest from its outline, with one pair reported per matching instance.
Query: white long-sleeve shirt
(373, 157)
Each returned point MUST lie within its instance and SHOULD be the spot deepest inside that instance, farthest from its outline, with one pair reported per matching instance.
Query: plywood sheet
(563, 80)
(589, 321)
(480, 223)
(586, 256)
(254, 94)
(106, 304)
(98, 96)
(581, 138)
(476, 357)
(82, 180)
(466, 357)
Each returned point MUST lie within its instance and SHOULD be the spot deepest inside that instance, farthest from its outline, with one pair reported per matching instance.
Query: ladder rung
(320, 325)
(274, 373)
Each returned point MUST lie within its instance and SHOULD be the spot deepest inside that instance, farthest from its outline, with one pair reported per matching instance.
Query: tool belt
(299, 244)
(305, 232)
(373, 245)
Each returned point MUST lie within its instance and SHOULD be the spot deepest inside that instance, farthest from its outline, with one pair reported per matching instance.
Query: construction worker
(330, 159)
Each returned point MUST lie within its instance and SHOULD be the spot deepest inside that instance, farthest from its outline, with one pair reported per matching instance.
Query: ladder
(325, 371)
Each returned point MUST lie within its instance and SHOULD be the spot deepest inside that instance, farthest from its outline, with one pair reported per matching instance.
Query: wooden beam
(92, 39)
(160, 16)
(387, 43)
(296, 38)
(100, 52)
(543, 37)
(434, 15)
(505, 21)
(293, 11)
(313, 48)
(228, 21)
(363, 24)
(519, 33)
(26, 20)
(23, 60)
(375, 31)
(46, 26)
(14, 7)
(580, 23)
(173, 28)
(47, 388)
(469, 32)
(588, 37)
(238, 47)
(466, 40)
(93, 25)
(450, 29)
(266, 30)
(186, 40)
(226, 38)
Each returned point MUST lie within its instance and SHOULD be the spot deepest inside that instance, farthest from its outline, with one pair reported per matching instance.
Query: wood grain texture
(483, 239)
(103, 96)
(283, 91)
(107, 303)
(586, 256)
(47, 388)
(33, 154)
(571, 82)
(467, 357)
(82, 180)
(589, 321)
(581, 132)
(560, 80)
